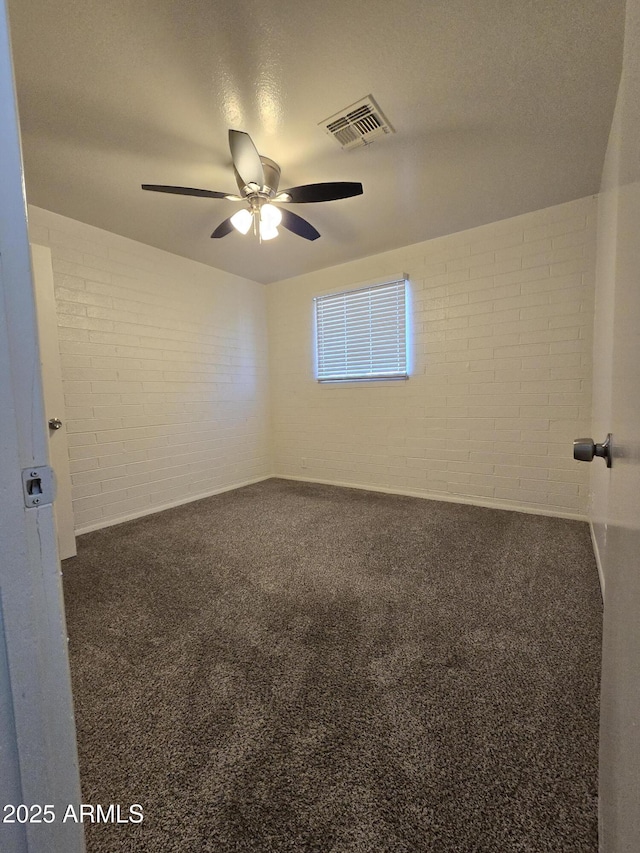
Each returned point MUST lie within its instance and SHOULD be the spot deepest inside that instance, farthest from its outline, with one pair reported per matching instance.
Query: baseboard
(436, 496)
(179, 502)
(596, 553)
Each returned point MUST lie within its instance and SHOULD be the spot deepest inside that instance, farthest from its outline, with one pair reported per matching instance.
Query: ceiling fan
(258, 178)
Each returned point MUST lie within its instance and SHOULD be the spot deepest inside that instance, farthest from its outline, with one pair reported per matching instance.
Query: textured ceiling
(500, 107)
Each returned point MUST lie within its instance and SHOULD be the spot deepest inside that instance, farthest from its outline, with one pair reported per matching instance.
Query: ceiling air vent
(358, 124)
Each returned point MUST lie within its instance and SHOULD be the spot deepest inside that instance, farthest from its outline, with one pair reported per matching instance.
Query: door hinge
(38, 486)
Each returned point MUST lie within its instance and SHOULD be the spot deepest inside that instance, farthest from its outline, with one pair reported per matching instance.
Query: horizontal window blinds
(361, 334)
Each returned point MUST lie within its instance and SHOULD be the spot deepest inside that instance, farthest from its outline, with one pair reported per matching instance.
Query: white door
(617, 490)
(620, 705)
(38, 758)
(53, 397)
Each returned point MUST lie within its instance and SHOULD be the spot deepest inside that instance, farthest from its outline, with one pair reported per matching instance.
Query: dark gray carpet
(293, 668)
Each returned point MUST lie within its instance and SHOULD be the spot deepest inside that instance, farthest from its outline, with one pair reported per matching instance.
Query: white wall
(164, 365)
(502, 320)
(616, 492)
(167, 389)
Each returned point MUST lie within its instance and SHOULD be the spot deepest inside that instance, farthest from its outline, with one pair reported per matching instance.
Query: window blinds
(362, 334)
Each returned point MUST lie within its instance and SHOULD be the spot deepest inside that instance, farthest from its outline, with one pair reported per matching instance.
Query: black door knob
(584, 449)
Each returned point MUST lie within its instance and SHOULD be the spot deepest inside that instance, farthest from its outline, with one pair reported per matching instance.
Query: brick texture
(501, 319)
(164, 365)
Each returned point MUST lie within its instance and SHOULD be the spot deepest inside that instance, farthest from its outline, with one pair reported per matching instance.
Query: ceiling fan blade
(321, 192)
(246, 158)
(292, 222)
(185, 191)
(223, 229)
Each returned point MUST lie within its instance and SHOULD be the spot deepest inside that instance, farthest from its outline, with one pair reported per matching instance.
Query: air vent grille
(359, 124)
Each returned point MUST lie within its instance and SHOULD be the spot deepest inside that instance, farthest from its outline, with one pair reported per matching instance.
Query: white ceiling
(500, 107)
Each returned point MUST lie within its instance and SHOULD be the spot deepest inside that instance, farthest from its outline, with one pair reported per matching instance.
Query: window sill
(362, 379)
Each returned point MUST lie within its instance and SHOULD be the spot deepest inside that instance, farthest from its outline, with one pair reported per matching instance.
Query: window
(362, 334)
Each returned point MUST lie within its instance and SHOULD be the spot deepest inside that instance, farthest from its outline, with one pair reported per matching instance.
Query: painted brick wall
(164, 366)
(502, 338)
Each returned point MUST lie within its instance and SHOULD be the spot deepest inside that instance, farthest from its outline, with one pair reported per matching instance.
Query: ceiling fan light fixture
(242, 220)
(267, 232)
(270, 216)
(258, 178)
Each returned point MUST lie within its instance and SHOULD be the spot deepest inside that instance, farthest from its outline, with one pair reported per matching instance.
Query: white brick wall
(502, 327)
(165, 372)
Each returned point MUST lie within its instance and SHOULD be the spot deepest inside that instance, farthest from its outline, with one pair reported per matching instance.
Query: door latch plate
(38, 486)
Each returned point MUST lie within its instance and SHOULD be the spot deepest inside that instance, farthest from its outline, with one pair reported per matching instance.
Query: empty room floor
(293, 667)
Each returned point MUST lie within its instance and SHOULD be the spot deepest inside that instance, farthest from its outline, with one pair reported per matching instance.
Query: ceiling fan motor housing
(271, 179)
(271, 175)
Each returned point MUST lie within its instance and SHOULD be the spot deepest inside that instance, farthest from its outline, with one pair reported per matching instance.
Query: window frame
(358, 288)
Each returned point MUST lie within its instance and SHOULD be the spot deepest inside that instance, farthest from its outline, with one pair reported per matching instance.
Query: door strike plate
(38, 486)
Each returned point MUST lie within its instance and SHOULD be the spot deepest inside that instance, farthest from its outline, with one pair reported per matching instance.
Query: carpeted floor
(290, 668)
